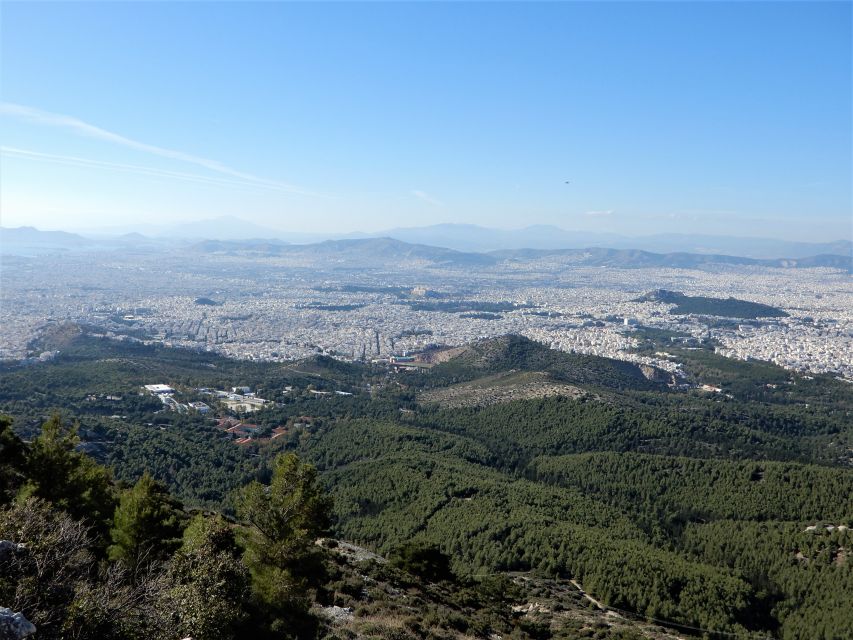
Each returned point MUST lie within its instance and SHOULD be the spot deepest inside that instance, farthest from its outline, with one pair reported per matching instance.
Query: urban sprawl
(277, 308)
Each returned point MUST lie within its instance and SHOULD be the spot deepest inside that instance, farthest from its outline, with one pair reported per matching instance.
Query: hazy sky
(689, 117)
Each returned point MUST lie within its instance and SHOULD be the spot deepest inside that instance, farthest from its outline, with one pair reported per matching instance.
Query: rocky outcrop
(14, 626)
(656, 375)
(8, 549)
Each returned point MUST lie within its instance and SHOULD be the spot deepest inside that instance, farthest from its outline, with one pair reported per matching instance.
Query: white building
(159, 389)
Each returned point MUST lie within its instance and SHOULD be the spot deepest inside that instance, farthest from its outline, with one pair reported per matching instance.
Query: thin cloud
(422, 195)
(599, 214)
(75, 161)
(70, 123)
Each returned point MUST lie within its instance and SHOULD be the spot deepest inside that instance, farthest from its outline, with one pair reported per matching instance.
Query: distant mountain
(473, 238)
(31, 235)
(29, 240)
(254, 245)
(632, 258)
(466, 237)
(469, 237)
(842, 261)
(390, 248)
(221, 228)
(138, 242)
(736, 246)
(133, 237)
(358, 251)
(376, 251)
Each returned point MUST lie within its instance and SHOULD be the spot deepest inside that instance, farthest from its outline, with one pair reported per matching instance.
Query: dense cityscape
(285, 308)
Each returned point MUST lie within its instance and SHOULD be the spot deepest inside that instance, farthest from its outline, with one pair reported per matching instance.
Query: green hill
(517, 353)
(727, 512)
(707, 306)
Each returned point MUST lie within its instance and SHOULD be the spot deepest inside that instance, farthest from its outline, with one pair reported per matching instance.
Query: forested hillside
(727, 512)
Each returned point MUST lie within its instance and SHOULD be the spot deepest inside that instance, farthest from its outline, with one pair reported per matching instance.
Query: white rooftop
(159, 388)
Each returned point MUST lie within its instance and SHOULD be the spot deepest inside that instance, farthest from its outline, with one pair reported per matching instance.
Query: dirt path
(587, 596)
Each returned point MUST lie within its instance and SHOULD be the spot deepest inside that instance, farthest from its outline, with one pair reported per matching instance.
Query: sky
(689, 117)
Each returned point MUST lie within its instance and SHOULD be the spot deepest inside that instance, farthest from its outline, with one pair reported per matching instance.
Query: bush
(424, 560)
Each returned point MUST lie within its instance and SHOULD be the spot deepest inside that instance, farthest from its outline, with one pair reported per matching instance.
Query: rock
(14, 626)
(336, 614)
(350, 551)
(656, 375)
(9, 549)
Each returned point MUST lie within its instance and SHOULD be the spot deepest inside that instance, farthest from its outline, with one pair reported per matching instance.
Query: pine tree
(68, 479)
(209, 586)
(284, 520)
(12, 459)
(146, 524)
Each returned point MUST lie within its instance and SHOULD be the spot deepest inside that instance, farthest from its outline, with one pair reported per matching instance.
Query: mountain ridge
(375, 249)
(29, 240)
(472, 237)
(467, 237)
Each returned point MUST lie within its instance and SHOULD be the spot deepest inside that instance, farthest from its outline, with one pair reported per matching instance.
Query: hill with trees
(726, 512)
(708, 306)
(82, 556)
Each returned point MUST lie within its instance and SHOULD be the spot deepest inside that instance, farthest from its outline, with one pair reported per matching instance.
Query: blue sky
(687, 117)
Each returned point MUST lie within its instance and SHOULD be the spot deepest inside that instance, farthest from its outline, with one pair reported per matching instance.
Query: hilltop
(517, 353)
(703, 305)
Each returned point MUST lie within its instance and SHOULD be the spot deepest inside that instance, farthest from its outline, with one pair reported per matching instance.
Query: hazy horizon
(154, 230)
(342, 118)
